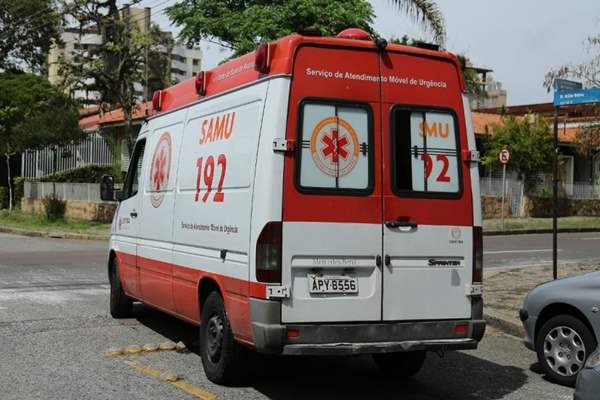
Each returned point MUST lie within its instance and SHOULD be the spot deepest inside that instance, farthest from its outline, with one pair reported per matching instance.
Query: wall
(491, 206)
(76, 209)
(541, 207)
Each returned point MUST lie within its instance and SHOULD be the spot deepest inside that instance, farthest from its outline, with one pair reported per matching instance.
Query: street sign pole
(503, 194)
(555, 198)
(503, 157)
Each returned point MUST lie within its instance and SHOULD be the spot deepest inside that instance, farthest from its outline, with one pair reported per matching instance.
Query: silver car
(588, 380)
(562, 324)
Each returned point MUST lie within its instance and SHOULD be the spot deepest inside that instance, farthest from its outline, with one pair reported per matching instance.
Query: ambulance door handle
(388, 260)
(378, 261)
(402, 222)
(133, 214)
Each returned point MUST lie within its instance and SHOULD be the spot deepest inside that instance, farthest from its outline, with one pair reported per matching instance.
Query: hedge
(87, 174)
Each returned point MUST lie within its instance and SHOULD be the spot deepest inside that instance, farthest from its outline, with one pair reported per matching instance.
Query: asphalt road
(527, 250)
(55, 330)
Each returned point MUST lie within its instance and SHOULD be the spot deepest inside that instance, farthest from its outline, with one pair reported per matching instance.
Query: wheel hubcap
(564, 351)
(214, 337)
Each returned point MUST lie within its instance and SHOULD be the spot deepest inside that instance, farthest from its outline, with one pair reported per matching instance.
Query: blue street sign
(580, 96)
(565, 84)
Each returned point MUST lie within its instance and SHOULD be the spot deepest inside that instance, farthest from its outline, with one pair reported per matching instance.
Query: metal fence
(91, 151)
(516, 189)
(65, 191)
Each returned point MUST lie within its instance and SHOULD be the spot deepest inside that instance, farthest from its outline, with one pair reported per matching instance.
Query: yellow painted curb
(150, 347)
(133, 349)
(167, 346)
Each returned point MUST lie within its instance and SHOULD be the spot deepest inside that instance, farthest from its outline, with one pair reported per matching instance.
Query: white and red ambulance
(317, 196)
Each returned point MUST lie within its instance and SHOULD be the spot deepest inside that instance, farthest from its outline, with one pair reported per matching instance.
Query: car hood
(561, 290)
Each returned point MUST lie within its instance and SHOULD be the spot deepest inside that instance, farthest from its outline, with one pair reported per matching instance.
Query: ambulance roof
(241, 71)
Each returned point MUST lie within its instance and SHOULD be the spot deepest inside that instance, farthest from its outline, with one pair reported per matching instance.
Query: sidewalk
(505, 290)
(51, 234)
(519, 226)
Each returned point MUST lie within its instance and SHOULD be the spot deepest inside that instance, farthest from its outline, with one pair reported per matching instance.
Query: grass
(541, 223)
(35, 222)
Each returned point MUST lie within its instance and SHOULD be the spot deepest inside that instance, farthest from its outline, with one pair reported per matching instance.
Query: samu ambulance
(316, 196)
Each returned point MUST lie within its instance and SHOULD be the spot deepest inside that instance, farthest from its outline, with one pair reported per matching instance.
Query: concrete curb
(503, 324)
(55, 235)
(534, 231)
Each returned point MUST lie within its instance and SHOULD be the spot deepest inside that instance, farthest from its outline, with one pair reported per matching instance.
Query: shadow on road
(459, 375)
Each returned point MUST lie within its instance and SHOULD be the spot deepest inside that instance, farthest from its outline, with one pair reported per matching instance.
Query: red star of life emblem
(335, 146)
(159, 169)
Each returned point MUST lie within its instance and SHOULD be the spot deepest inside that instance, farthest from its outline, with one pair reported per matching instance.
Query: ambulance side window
(335, 148)
(135, 170)
(425, 153)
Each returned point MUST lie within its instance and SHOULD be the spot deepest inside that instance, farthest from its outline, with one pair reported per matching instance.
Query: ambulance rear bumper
(271, 336)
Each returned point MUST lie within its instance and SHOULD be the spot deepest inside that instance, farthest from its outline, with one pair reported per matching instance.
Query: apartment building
(185, 62)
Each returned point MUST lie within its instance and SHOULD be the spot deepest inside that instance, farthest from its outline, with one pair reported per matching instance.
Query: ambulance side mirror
(107, 188)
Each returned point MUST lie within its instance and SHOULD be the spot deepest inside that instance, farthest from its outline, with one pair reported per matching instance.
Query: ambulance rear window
(425, 153)
(335, 153)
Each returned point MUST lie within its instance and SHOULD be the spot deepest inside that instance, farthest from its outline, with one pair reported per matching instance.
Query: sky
(520, 40)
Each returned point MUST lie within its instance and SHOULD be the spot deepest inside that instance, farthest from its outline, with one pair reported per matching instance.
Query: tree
(127, 58)
(27, 28)
(529, 141)
(242, 25)
(33, 114)
(587, 136)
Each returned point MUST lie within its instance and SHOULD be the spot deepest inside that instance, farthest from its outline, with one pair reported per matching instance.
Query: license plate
(332, 284)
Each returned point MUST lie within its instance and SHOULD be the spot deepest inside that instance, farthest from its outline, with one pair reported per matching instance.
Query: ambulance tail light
(477, 254)
(261, 60)
(268, 254)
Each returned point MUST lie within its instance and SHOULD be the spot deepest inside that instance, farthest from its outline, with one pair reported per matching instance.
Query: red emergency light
(354, 33)
(261, 60)
(157, 98)
(200, 83)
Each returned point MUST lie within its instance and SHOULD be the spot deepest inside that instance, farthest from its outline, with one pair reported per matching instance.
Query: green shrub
(87, 174)
(3, 197)
(54, 208)
(18, 191)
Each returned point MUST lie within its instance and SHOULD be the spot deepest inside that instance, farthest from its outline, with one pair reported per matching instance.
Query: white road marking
(518, 251)
(592, 238)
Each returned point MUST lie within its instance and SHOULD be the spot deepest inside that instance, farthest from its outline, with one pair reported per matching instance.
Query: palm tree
(426, 13)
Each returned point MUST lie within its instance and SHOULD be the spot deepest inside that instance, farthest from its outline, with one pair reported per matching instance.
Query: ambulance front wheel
(121, 305)
(404, 364)
(222, 356)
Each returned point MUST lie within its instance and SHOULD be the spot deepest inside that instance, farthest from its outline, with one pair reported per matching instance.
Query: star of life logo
(160, 169)
(334, 146)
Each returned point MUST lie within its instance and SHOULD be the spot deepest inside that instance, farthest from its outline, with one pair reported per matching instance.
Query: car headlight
(593, 360)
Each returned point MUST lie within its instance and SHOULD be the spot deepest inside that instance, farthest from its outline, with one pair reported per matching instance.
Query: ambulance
(319, 196)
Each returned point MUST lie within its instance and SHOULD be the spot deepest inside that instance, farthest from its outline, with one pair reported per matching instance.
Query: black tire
(562, 358)
(121, 305)
(403, 365)
(222, 356)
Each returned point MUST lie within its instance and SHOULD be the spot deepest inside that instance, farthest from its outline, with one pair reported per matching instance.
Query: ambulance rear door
(332, 189)
(427, 202)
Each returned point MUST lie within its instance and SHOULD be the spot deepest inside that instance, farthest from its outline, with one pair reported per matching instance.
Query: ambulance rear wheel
(404, 364)
(222, 356)
(121, 305)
